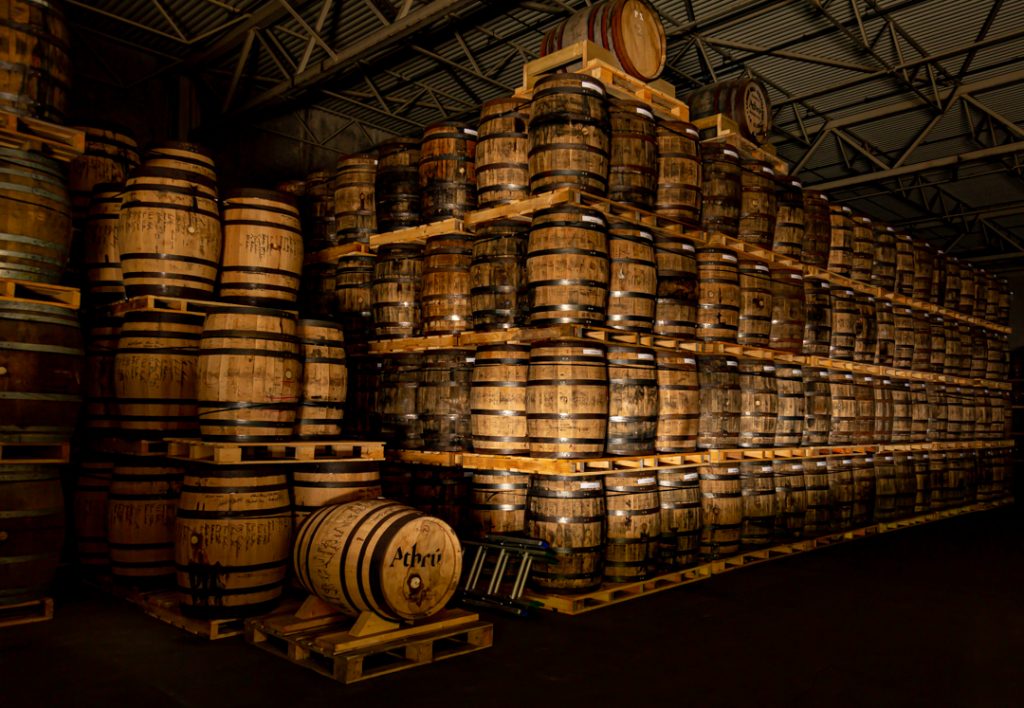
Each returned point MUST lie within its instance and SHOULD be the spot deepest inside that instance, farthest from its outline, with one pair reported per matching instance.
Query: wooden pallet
(292, 451)
(722, 129)
(350, 650)
(332, 254)
(34, 453)
(57, 141)
(40, 293)
(165, 605)
(39, 610)
(160, 303)
(127, 446)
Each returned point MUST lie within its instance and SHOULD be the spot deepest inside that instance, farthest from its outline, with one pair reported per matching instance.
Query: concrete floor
(931, 616)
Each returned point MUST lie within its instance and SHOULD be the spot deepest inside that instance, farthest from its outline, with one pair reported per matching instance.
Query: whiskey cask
(818, 317)
(395, 292)
(675, 311)
(885, 333)
(632, 401)
(923, 271)
(865, 343)
(789, 383)
(442, 492)
(353, 293)
(111, 154)
(841, 492)
(497, 399)
(35, 61)
(757, 203)
(98, 378)
(498, 502)
(906, 484)
(937, 294)
(395, 401)
(903, 337)
(497, 275)
(319, 484)
(938, 469)
(502, 152)
(721, 510)
(789, 311)
(790, 498)
(633, 279)
(863, 473)
(32, 526)
(397, 184)
(951, 293)
(679, 172)
(718, 295)
(758, 403)
(921, 358)
(757, 482)
(755, 313)
(442, 399)
(864, 409)
(324, 385)
(355, 204)
(89, 511)
(720, 403)
(633, 153)
(845, 316)
(447, 171)
(564, 372)
(919, 411)
(817, 228)
(790, 219)
(633, 526)
(680, 501)
(317, 298)
(840, 252)
(678, 402)
(818, 518)
(721, 189)
(744, 100)
(445, 286)
(936, 344)
(937, 411)
(101, 254)
(569, 514)
(902, 417)
(920, 463)
(904, 284)
(882, 267)
(843, 395)
(141, 508)
(863, 263)
(884, 410)
(968, 289)
(817, 407)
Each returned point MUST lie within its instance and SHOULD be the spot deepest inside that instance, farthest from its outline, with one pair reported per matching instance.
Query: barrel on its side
(743, 100)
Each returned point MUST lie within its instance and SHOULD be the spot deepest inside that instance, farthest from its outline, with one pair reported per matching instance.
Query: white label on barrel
(729, 257)
(470, 359)
(469, 131)
(731, 362)
(821, 463)
(593, 219)
(644, 112)
(868, 379)
(847, 376)
(590, 485)
(870, 459)
(688, 247)
(886, 381)
(644, 356)
(645, 481)
(887, 458)
(687, 360)
(694, 133)
(592, 86)
(761, 267)
(848, 462)
(767, 170)
(592, 352)
(731, 153)
(796, 276)
(769, 367)
(733, 470)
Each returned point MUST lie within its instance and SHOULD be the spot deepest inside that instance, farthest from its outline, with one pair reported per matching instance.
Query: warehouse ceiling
(911, 111)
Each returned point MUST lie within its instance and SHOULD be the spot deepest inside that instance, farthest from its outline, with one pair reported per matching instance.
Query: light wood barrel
(98, 379)
(679, 172)
(817, 228)
(884, 410)
(845, 314)
(442, 399)
(790, 219)
(35, 61)
(680, 499)
(355, 203)
(758, 204)
(141, 508)
(755, 318)
(32, 529)
(497, 275)
(497, 399)
(906, 484)
(675, 311)
(191, 158)
(902, 417)
(921, 359)
(569, 514)
(111, 154)
(502, 152)
(630, 29)
(789, 310)
(232, 539)
(721, 510)
(353, 293)
(396, 290)
(720, 403)
(840, 253)
(35, 216)
(570, 371)
(721, 189)
(101, 253)
(378, 556)
(818, 518)
(445, 286)
(757, 481)
(843, 395)
(865, 343)
(632, 400)
(885, 333)
(442, 492)
(758, 403)
(633, 527)
(633, 158)
(395, 401)
(318, 484)
(567, 269)
(678, 402)
(841, 492)
(397, 185)
(818, 317)
(882, 268)
(790, 498)
(447, 171)
(569, 135)
(633, 279)
(498, 502)
(89, 511)
(169, 233)
(718, 295)
(952, 351)
(324, 386)
(155, 374)
(864, 489)
(817, 407)
(789, 384)
(864, 409)
(863, 264)
(744, 100)
(249, 375)
(904, 276)
(42, 358)
(918, 411)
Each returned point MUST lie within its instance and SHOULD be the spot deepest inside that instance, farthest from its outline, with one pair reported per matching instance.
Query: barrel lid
(270, 195)
(359, 159)
(457, 125)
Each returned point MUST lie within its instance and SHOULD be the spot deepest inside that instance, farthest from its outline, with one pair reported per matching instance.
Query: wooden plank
(57, 141)
(521, 210)
(419, 234)
(35, 453)
(225, 453)
(166, 607)
(332, 254)
(39, 610)
(40, 293)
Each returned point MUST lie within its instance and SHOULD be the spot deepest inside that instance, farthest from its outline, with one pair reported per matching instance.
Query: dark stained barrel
(757, 203)
(790, 219)
(445, 285)
(442, 399)
(98, 378)
(111, 154)
(884, 410)
(923, 270)
(903, 337)
(755, 313)
(758, 403)
(675, 312)
(919, 411)
(502, 152)
(100, 251)
(396, 290)
(744, 100)
(680, 500)
(570, 371)
(937, 344)
(89, 511)
(718, 295)
(921, 358)
(817, 228)
(319, 224)
(865, 341)
(497, 275)
(442, 492)
(721, 189)
(840, 254)
(497, 399)
(845, 314)
(447, 171)
(789, 310)
(633, 527)
(863, 263)
(937, 411)
(906, 484)
(902, 417)
(864, 489)
(904, 276)
(937, 294)
(790, 498)
(679, 172)
(35, 61)
(920, 464)
(353, 285)
(841, 492)
(817, 407)
(632, 401)
(864, 409)
(633, 160)
(141, 508)
(843, 393)
(789, 384)
(885, 333)
(720, 407)
(883, 263)
(397, 185)
(569, 514)
(395, 401)
(818, 518)
(31, 529)
(633, 279)
(498, 502)
(938, 469)
(757, 481)
(818, 317)
(355, 204)
(678, 402)
(721, 510)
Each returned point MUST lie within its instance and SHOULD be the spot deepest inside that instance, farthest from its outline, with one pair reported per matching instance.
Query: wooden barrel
(395, 292)
(249, 375)
(497, 399)
(842, 392)
(155, 374)
(195, 160)
(817, 229)
(442, 399)
(395, 401)
(864, 409)
(675, 311)
(790, 219)
(721, 189)
(678, 402)
(35, 216)
(937, 411)
(938, 469)
(995, 360)
(758, 203)
(971, 362)
(903, 337)
(569, 514)
(633, 279)
(319, 484)
(98, 379)
(840, 252)
(31, 529)
(718, 295)
(865, 342)
(841, 492)
(954, 413)
(790, 498)
(502, 152)
(101, 255)
(817, 407)
(497, 275)
(936, 344)
(758, 403)
(445, 286)
(918, 411)
(569, 142)
(919, 462)
(679, 172)
(863, 263)
(141, 506)
(498, 502)
(447, 171)
(757, 482)
(885, 333)
(355, 203)
(567, 268)
(789, 310)
(755, 313)
(397, 185)
(443, 493)
(817, 317)
(721, 510)
(1003, 306)
(633, 526)
(633, 159)
(720, 403)
(884, 409)
(863, 473)
(169, 232)
(42, 359)
(353, 285)
(378, 556)
(35, 61)
(902, 417)
(904, 275)
(951, 293)
(232, 539)
(111, 154)
(921, 359)
(89, 511)
(845, 314)
(564, 372)
(924, 264)
(679, 497)
(396, 481)
(324, 386)
(818, 518)
(789, 384)
(882, 268)
(906, 484)
(630, 29)
(937, 294)
(744, 100)
(952, 351)
(632, 401)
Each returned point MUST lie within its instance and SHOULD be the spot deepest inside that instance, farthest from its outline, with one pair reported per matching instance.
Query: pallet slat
(42, 293)
(39, 610)
(195, 450)
(57, 141)
(34, 453)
